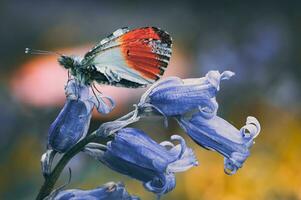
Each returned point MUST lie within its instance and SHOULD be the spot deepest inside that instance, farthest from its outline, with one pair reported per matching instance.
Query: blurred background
(258, 40)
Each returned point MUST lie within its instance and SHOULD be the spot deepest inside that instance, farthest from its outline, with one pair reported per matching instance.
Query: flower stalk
(51, 179)
(101, 132)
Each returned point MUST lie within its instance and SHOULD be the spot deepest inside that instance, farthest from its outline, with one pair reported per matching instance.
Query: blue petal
(186, 158)
(72, 123)
(174, 96)
(133, 170)
(219, 135)
(135, 154)
(214, 77)
(109, 191)
(75, 90)
(135, 146)
(180, 99)
(70, 126)
(170, 81)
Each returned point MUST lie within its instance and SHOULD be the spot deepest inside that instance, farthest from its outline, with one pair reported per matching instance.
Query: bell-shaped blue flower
(135, 154)
(109, 191)
(174, 96)
(72, 123)
(218, 135)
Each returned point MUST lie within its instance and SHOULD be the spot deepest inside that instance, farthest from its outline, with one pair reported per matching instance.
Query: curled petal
(227, 75)
(214, 77)
(251, 129)
(161, 185)
(182, 144)
(167, 144)
(185, 156)
(209, 108)
(211, 80)
(101, 105)
(233, 163)
(229, 167)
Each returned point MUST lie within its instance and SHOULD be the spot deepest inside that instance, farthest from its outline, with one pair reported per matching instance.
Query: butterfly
(126, 58)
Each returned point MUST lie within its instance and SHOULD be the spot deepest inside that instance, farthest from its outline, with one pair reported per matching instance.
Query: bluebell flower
(218, 135)
(174, 96)
(72, 123)
(109, 191)
(135, 154)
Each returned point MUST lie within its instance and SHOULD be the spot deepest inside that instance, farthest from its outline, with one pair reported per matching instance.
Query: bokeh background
(259, 40)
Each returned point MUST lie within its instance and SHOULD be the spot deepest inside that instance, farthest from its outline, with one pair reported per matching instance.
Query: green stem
(50, 180)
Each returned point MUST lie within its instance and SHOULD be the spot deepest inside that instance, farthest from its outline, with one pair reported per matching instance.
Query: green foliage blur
(259, 40)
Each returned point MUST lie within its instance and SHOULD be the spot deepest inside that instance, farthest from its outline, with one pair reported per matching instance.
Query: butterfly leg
(111, 75)
(101, 105)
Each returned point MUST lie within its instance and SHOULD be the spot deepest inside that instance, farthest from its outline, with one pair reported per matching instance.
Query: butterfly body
(125, 58)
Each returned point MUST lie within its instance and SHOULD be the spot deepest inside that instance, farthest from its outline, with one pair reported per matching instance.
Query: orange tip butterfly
(126, 58)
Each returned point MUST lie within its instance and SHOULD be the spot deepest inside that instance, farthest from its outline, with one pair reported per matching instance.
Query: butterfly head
(75, 67)
(67, 62)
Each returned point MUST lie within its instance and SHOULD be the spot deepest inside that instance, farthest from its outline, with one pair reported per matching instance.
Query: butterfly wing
(131, 58)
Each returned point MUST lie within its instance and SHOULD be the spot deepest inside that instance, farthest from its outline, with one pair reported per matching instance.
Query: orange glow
(40, 82)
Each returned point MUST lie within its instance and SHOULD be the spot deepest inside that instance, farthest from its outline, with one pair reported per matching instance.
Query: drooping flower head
(219, 135)
(193, 103)
(174, 96)
(135, 154)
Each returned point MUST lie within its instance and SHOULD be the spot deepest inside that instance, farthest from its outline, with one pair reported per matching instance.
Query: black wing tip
(161, 71)
(165, 37)
(164, 57)
(125, 27)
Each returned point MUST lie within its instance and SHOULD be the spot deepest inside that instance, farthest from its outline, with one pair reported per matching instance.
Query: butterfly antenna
(40, 52)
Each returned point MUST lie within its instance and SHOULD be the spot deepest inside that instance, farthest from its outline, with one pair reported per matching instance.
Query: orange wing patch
(146, 50)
